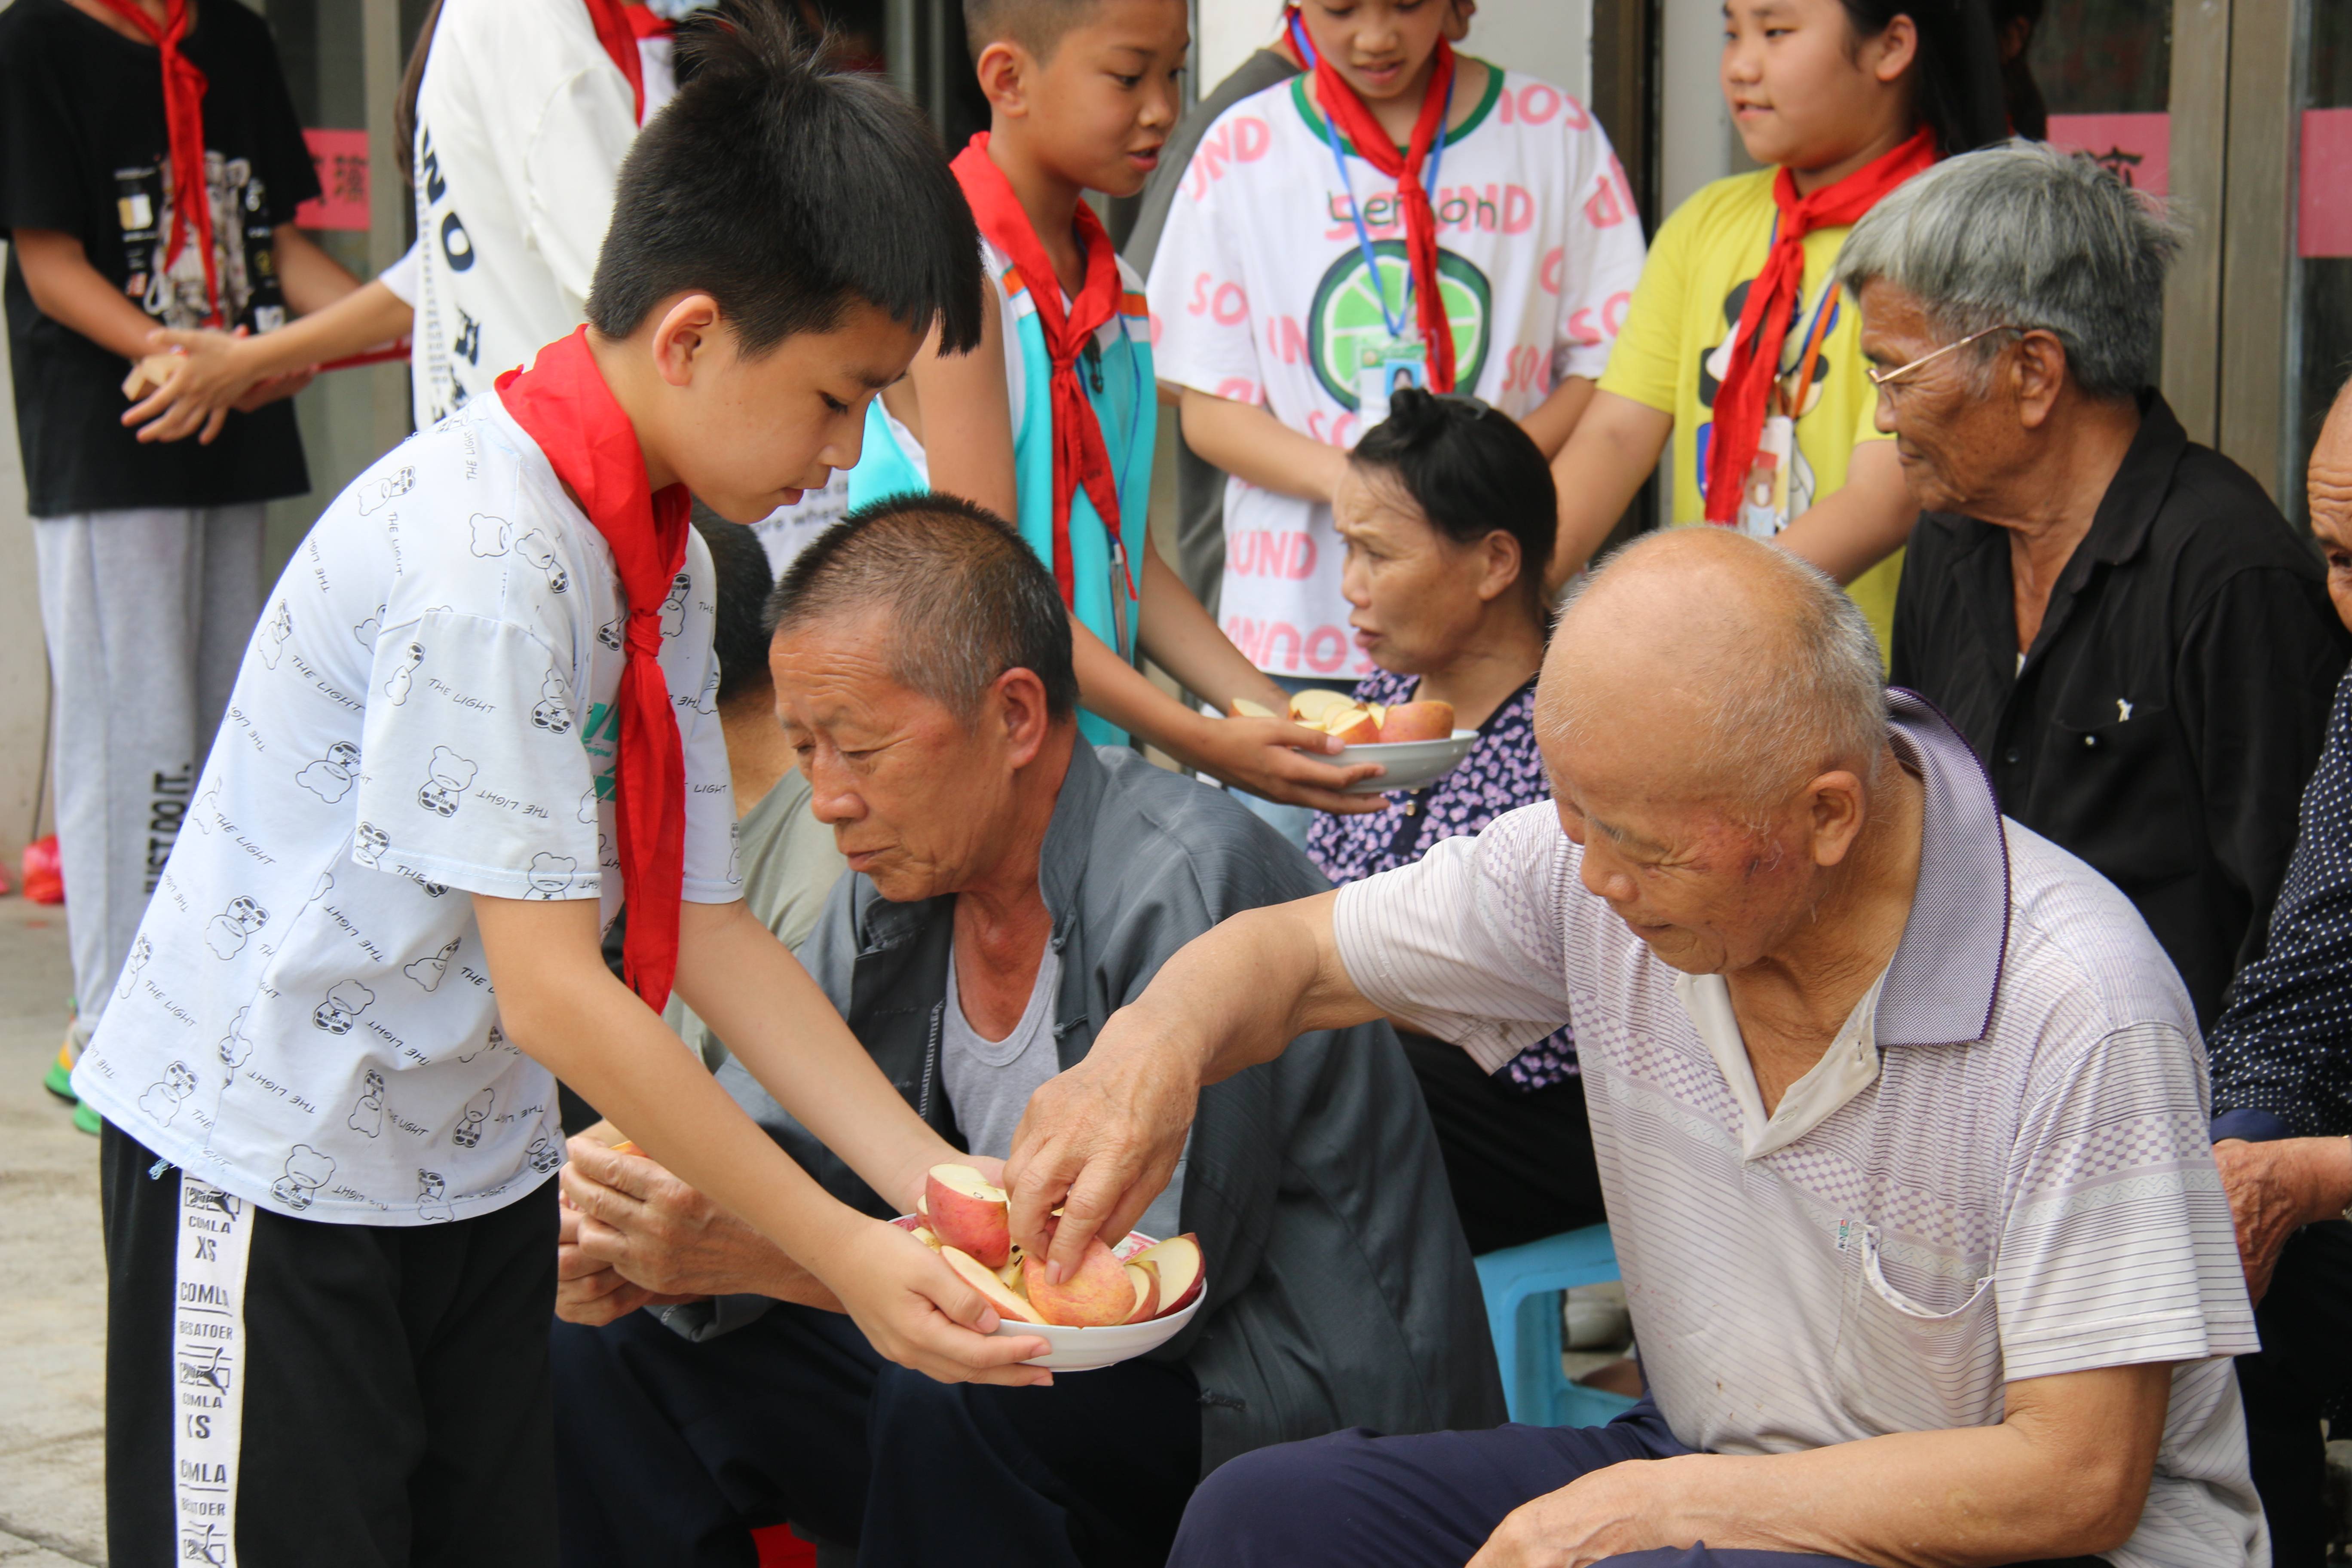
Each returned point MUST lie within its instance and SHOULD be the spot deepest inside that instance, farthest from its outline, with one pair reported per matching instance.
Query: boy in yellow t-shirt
(1846, 97)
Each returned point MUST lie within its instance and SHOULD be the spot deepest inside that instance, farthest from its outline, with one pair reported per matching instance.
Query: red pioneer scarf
(616, 31)
(1742, 401)
(183, 121)
(1372, 144)
(562, 403)
(1080, 455)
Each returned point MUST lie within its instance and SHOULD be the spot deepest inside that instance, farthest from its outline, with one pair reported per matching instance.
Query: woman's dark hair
(1471, 470)
(763, 185)
(1956, 83)
(2013, 24)
(738, 630)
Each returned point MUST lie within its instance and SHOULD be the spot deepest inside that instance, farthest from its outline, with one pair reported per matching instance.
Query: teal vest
(1118, 382)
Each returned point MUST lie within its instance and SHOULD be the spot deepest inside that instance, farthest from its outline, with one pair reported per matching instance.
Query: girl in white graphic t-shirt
(1280, 289)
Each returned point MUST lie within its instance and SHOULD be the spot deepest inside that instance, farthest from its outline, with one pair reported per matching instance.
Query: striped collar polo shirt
(2000, 1170)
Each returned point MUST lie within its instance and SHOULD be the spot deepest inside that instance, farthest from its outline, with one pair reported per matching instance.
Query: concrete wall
(1548, 38)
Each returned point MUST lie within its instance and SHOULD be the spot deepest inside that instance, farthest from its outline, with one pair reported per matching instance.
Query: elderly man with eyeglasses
(2119, 621)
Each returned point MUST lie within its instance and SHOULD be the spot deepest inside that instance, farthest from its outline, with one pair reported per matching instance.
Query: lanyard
(1398, 325)
(1815, 334)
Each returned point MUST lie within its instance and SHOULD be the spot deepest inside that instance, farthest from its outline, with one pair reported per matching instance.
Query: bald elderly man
(1900, 1112)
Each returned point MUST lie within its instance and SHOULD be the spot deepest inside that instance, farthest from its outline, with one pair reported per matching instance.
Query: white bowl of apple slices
(1122, 1301)
(1415, 741)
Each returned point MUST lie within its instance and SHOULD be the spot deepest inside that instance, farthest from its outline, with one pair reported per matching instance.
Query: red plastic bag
(45, 876)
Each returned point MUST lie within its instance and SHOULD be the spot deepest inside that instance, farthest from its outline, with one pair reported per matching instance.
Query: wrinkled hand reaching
(1282, 761)
(1100, 1141)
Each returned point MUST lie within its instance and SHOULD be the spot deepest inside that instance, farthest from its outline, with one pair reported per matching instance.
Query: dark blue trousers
(1354, 1499)
(671, 1453)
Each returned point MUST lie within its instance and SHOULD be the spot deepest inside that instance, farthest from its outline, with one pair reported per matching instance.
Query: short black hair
(968, 598)
(1036, 26)
(786, 191)
(1471, 469)
(738, 634)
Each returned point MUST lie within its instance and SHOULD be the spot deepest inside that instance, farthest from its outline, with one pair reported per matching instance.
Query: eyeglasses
(1887, 381)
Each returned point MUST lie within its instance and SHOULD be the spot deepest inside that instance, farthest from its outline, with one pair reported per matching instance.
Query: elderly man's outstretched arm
(1101, 1140)
(2064, 1473)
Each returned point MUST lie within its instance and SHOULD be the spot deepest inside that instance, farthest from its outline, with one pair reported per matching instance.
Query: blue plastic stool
(1523, 1286)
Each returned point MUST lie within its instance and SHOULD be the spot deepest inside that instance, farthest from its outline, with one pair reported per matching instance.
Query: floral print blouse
(1501, 774)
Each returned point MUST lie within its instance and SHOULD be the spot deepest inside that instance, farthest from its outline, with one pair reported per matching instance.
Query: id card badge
(1764, 493)
(1382, 372)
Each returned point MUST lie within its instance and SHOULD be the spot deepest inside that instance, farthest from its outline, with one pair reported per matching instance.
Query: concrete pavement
(52, 1270)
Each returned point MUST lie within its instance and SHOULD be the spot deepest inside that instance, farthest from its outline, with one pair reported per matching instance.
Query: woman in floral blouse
(1449, 515)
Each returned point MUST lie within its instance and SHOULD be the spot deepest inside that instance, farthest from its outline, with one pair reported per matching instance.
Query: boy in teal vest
(1051, 420)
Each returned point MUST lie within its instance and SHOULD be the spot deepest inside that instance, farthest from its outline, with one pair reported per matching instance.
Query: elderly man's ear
(2034, 372)
(1836, 801)
(1016, 705)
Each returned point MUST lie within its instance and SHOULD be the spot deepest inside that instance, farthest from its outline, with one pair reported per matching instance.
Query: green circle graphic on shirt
(1344, 324)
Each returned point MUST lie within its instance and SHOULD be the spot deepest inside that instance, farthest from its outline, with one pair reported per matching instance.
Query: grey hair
(1812, 699)
(2023, 235)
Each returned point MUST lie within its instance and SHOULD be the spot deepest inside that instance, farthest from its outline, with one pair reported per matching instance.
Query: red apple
(1417, 722)
(1146, 1280)
(1354, 726)
(993, 1290)
(1098, 1295)
(967, 1212)
(1178, 1264)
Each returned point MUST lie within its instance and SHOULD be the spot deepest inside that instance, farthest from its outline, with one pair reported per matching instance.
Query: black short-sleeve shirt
(83, 149)
(2164, 721)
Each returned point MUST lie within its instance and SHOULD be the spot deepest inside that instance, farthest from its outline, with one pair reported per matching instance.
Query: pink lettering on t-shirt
(1518, 209)
(1539, 101)
(1285, 340)
(1554, 268)
(1327, 648)
(1228, 305)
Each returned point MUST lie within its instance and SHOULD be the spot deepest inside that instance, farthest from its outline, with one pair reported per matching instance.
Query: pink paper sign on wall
(342, 160)
(2135, 148)
(2323, 219)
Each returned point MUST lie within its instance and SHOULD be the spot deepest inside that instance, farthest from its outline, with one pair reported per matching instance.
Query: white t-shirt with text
(1259, 294)
(427, 711)
(522, 121)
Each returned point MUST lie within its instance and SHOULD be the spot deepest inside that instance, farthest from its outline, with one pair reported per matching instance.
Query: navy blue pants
(671, 1453)
(1357, 1500)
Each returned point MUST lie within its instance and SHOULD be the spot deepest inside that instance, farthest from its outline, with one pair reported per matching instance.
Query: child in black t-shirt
(150, 552)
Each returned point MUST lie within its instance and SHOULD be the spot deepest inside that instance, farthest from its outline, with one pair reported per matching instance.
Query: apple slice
(1354, 726)
(927, 1238)
(1417, 722)
(1308, 707)
(1181, 1267)
(1146, 1280)
(1380, 713)
(1244, 708)
(993, 1290)
(968, 1212)
(1097, 1296)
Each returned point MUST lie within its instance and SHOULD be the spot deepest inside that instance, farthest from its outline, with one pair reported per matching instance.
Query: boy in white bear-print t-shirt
(427, 709)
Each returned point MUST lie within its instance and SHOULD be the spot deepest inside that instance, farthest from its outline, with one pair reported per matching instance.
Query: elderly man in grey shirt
(1010, 888)
(1898, 1109)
